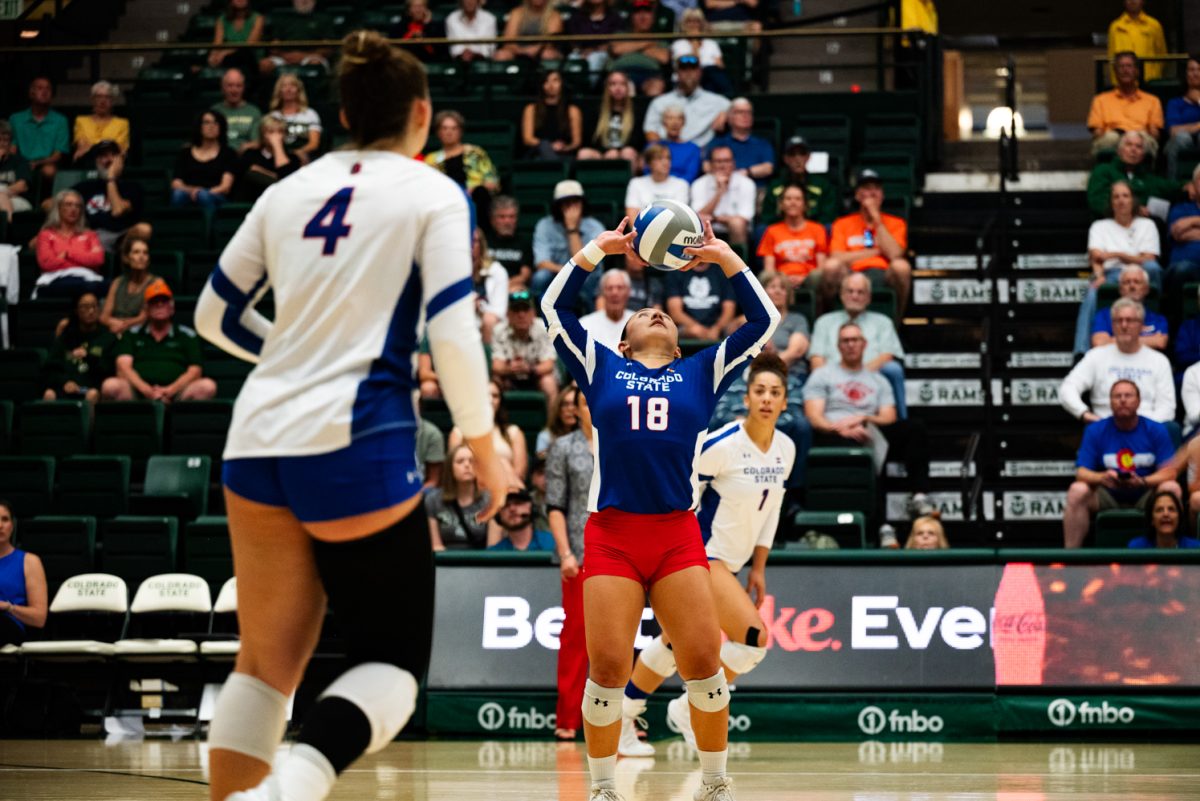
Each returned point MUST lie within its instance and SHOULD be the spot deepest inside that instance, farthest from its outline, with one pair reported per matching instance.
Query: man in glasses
(704, 111)
(522, 354)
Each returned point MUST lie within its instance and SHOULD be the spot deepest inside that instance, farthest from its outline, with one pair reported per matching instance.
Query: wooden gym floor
(543, 771)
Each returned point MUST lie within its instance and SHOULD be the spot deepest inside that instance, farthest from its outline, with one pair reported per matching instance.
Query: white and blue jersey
(649, 423)
(743, 492)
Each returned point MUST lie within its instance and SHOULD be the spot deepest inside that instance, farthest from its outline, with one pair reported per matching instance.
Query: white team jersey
(359, 247)
(739, 507)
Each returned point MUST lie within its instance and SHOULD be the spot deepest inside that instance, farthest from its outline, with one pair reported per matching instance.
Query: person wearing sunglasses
(705, 111)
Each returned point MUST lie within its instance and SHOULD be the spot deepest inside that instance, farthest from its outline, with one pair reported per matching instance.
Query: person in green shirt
(160, 360)
(1130, 166)
(81, 357)
(820, 193)
(39, 132)
(241, 117)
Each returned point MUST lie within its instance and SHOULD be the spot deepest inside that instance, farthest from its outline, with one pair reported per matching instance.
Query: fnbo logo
(736, 723)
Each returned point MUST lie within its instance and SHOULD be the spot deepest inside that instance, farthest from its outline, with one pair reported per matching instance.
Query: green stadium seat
(156, 186)
(66, 546)
(54, 428)
(168, 265)
(28, 481)
(136, 548)
(892, 133)
(500, 143)
(6, 427)
(65, 179)
(183, 229)
(93, 485)
(848, 528)
(175, 486)
(197, 268)
(437, 412)
(604, 181)
(226, 222)
(207, 551)
(129, 428)
(230, 374)
(883, 300)
(160, 154)
(1191, 301)
(536, 179)
(1114, 528)
(1107, 295)
(526, 410)
(21, 376)
(831, 132)
(32, 323)
(805, 303)
(769, 128)
(199, 427)
(840, 479)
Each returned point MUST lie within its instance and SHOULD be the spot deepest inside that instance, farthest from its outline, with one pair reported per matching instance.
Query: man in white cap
(560, 235)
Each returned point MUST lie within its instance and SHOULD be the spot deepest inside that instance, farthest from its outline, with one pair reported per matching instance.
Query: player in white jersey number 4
(744, 465)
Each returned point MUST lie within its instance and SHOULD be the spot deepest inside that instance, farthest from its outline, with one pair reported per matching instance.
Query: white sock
(604, 771)
(305, 775)
(712, 765)
(633, 707)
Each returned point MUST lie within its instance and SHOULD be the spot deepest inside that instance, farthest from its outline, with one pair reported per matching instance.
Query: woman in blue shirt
(1167, 523)
(22, 585)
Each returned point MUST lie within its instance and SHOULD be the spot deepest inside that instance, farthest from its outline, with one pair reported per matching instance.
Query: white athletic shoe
(631, 745)
(605, 794)
(679, 711)
(267, 790)
(720, 790)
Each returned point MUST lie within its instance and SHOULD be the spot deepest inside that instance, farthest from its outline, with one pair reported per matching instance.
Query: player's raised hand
(617, 242)
(714, 251)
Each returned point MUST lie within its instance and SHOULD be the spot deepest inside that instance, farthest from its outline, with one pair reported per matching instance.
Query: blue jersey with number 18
(649, 423)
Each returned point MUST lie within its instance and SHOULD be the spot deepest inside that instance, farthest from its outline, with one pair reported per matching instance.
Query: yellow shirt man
(114, 128)
(1144, 36)
(919, 14)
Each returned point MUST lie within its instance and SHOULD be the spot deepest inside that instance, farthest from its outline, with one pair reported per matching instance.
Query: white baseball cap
(567, 189)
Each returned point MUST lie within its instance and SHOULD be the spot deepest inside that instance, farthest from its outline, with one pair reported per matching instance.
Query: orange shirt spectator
(851, 233)
(794, 250)
(1116, 111)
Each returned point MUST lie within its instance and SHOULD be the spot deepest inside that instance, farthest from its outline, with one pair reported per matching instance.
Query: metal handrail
(1101, 66)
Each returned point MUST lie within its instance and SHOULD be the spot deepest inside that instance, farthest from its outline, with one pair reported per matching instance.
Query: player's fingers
(709, 236)
(621, 227)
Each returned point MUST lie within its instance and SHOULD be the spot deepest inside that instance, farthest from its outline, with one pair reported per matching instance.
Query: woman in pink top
(69, 254)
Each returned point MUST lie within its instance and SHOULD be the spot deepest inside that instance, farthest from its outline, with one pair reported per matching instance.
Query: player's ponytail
(378, 84)
(768, 363)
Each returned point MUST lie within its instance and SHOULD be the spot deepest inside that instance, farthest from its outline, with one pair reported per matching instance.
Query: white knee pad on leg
(709, 695)
(386, 694)
(602, 705)
(741, 658)
(659, 658)
(250, 718)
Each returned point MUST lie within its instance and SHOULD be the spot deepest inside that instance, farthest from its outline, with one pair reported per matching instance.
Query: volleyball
(662, 230)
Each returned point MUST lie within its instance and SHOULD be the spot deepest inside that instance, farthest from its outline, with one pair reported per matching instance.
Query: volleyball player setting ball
(650, 411)
(321, 484)
(743, 466)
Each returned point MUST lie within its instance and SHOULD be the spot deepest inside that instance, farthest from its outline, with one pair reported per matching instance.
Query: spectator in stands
(733, 15)
(469, 165)
(645, 287)
(1187, 353)
(701, 302)
(418, 22)
(125, 304)
(451, 508)
(289, 101)
(551, 126)
(725, 197)
(1125, 358)
(869, 241)
(204, 170)
(81, 357)
(242, 118)
(705, 111)
(15, 175)
(658, 184)
(927, 534)
(113, 204)
(512, 528)
(850, 405)
(1125, 108)
(522, 354)
(304, 24)
(240, 24)
(561, 419)
(795, 247)
(23, 591)
(1184, 226)
(1166, 524)
(1183, 118)
(753, 156)
(560, 235)
(265, 161)
(532, 18)
(1137, 32)
(1131, 166)
(819, 195)
(643, 61)
(593, 18)
(40, 132)
(511, 250)
(693, 25)
(508, 439)
(607, 323)
(469, 21)
(617, 134)
(68, 252)
(1133, 284)
(491, 286)
(160, 360)
(1122, 460)
(687, 158)
(884, 353)
(431, 453)
(101, 125)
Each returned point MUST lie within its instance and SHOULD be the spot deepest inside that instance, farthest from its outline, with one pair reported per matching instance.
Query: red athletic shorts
(644, 548)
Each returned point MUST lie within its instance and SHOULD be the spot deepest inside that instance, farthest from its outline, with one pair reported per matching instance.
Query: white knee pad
(741, 658)
(386, 694)
(250, 718)
(659, 658)
(709, 695)
(602, 705)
